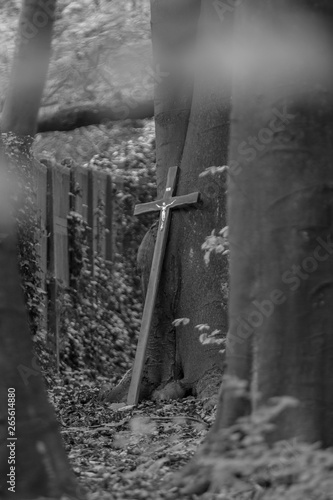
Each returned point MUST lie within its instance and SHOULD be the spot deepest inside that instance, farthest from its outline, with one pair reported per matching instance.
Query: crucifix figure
(164, 205)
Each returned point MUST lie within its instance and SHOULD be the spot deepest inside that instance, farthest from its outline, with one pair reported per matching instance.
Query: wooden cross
(164, 205)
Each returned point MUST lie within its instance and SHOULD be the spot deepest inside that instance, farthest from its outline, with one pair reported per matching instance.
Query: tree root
(169, 391)
(118, 393)
(207, 388)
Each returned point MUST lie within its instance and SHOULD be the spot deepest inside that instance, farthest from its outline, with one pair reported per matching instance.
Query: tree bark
(41, 468)
(30, 66)
(186, 116)
(279, 203)
(192, 127)
(198, 286)
(280, 234)
(89, 113)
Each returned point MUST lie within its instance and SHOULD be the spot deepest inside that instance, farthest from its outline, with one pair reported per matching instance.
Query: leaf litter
(127, 452)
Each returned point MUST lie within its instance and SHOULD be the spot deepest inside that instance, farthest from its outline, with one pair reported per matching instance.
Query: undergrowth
(251, 468)
(20, 165)
(101, 312)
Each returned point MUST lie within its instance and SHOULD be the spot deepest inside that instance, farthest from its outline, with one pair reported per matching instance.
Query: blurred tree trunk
(29, 69)
(280, 204)
(41, 468)
(280, 340)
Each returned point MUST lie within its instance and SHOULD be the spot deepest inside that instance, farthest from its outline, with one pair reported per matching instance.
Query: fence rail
(61, 190)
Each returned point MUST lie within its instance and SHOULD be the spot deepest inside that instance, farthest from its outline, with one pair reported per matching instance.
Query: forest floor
(131, 452)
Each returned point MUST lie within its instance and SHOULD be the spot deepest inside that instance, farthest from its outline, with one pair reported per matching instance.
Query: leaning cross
(164, 205)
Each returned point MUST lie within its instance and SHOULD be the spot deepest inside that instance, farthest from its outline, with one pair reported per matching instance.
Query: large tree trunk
(192, 127)
(190, 133)
(280, 340)
(30, 66)
(38, 465)
(192, 130)
(279, 203)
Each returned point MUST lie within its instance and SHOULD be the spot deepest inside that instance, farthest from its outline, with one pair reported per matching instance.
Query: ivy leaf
(224, 231)
(203, 338)
(213, 170)
(202, 327)
(181, 321)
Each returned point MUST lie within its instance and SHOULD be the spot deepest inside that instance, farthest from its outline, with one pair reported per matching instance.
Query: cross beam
(164, 206)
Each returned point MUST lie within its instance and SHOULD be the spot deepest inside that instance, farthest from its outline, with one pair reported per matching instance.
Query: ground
(134, 453)
(128, 453)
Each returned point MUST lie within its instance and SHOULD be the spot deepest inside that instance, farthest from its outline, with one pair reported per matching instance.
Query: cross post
(164, 205)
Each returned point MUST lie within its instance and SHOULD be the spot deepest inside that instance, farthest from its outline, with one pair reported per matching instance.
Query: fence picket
(80, 188)
(109, 233)
(40, 186)
(90, 219)
(58, 188)
(61, 193)
(100, 180)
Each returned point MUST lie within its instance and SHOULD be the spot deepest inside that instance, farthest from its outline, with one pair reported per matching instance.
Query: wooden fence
(61, 190)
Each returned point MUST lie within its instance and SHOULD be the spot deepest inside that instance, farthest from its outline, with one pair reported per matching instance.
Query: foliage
(97, 49)
(101, 313)
(243, 466)
(210, 338)
(82, 144)
(132, 165)
(214, 170)
(99, 319)
(129, 453)
(20, 162)
(217, 244)
(213, 337)
(135, 452)
(181, 321)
